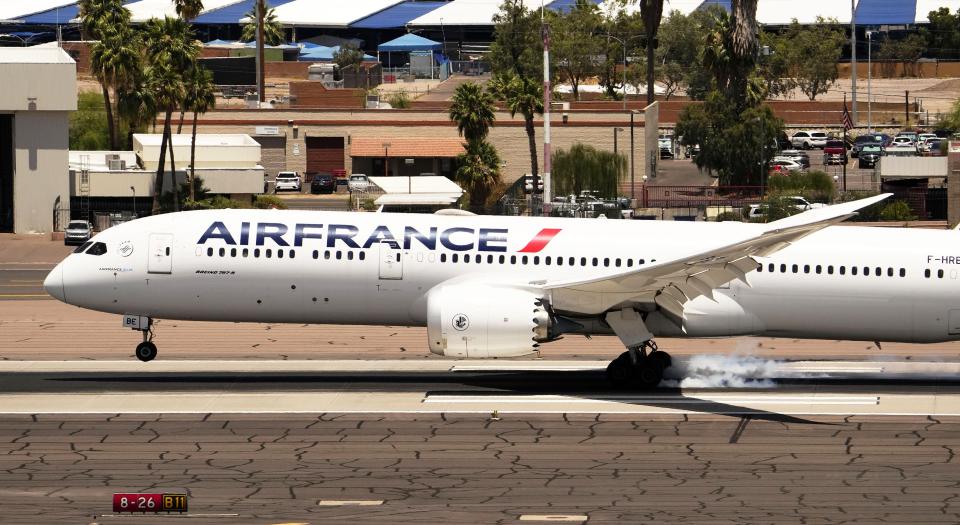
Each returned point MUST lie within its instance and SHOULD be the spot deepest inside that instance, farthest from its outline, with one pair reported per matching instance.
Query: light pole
(615, 130)
(633, 190)
(386, 157)
(869, 78)
(134, 190)
(853, 59)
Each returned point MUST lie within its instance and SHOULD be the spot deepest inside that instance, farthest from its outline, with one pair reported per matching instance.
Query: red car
(835, 152)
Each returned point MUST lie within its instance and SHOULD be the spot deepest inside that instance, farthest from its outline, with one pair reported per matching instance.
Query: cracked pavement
(470, 469)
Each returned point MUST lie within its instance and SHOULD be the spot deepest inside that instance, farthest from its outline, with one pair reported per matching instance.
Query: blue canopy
(563, 6)
(219, 42)
(883, 12)
(410, 42)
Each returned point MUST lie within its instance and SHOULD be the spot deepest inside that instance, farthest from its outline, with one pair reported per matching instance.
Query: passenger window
(443, 257)
(795, 268)
(455, 257)
(866, 271)
(349, 256)
(256, 252)
(82, 247)
(616, 262)
(280, 253)
(770, 267)
(536, 259)
(466, 257)
(268, 253)
(222, 252)
(843, 270)
(168, 251)
(490, 259)
(595, 261)
(819, 269)
(926, 273)
(878, 271)
(209, 252)
(606, 262)
(339, 255)
(363, 255)
(503, 259)
(572, 261)
(640, 262)
(830, 269)
(783, 268)
(903, 272)
(246, 252)
(316, 254)
(853, 270)
(524, 259)
(806, 268)
(629, 263)
(98, 248)
(559, 261)
(293, 254)
(326, 254)
(889, 272)
(583, 261)
(939, 272)
(233, 252)
(513, 259)
(548, 260)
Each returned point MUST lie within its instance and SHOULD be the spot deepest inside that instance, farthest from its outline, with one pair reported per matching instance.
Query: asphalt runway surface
(23, 283)
(786, 450)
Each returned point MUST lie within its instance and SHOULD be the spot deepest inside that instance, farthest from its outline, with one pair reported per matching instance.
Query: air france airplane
(489, 286)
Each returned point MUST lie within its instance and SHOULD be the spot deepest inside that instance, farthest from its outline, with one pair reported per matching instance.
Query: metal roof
(14, 10)
(397, 16)
(232, 13)
(143, 10)
(313, 13)
(461, 13)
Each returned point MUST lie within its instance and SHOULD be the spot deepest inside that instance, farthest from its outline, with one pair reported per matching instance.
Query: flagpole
(844, 124)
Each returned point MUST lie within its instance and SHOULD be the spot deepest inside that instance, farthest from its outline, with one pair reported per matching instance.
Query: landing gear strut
(641, 367)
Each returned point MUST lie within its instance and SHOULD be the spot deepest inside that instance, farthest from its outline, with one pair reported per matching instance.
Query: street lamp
(615, 130)
(134, 190)
(869, 78)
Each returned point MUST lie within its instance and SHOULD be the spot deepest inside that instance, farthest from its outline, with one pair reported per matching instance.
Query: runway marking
(19, 285)
(552, 517)
(527, 367)
(24, 295)
(24, 281)
(350, 503)
(664, 400)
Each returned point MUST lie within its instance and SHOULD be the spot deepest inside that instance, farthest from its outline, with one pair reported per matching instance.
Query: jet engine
(480, 320)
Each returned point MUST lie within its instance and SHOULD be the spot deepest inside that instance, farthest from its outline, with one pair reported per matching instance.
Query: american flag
(847, 121)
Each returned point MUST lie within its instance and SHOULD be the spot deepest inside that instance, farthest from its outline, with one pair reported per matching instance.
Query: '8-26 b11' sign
(154, 502)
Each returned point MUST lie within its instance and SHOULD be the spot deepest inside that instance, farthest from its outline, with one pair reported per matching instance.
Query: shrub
(264, 202)
(729, 216)
(897, 211)
(399, 100)
(814, 185)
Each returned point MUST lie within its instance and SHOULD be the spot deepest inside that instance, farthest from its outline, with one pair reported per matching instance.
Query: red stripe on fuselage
(540, 241)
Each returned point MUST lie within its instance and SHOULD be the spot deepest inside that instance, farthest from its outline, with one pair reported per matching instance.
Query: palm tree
(188, 9)
(272, 30)
(473, 111)
(525, 96)
(200, 98)
(115, 61)
(478, 171)
(167, 86)
(137, 104)
(651, 11)
(98, 14)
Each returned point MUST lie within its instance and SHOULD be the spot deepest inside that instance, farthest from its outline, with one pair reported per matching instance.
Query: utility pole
(547, 161)
(906, 107)
(869, 79)
(261, 96)
(853, 59)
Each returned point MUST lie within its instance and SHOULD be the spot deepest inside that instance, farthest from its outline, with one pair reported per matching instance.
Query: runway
(23, 283)
(476, 442)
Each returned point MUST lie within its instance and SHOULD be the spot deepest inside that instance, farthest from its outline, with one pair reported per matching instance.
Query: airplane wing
(667, 285)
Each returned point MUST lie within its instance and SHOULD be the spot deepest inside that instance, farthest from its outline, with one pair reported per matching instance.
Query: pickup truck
(835, 152)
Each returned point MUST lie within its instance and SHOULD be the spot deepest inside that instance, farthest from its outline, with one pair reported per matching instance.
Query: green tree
(905, 51)
(272, 30)
(525, 96)
(472, 108)
(651, 11)
(188, 9)
(943, 34)
(347, 55)
(88, 124)
(115, 61)
(478, 171)
(584, 167)
(735, 145)
(137, 105)
(773, 68)
(98, 15)
(199, 97)
(897, 211)
(574, 43)
(517, 47)
(813, 52)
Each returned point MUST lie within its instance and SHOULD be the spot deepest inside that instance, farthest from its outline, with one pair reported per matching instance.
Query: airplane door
(161, 253)
(954, 327)
(391, 261)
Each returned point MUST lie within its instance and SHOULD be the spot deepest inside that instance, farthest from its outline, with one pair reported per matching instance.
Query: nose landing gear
(146, 351)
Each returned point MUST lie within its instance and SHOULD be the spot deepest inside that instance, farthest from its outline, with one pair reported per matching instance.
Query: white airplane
(490, 286)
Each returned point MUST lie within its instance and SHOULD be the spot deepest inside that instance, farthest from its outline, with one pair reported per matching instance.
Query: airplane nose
(53, 284)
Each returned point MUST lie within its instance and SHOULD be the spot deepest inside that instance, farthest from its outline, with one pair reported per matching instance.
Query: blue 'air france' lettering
(347, 235)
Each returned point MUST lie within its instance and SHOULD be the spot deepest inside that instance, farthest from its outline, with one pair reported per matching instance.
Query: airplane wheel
(663, 358)
(649, 374)
(620, 371)
(146, 351)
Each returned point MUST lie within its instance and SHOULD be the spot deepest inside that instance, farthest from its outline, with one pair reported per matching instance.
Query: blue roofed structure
(410, 42)
(563, 6)
(231, 14)
(707, 3)
(397, 16)
(886, 12)
(55, 16)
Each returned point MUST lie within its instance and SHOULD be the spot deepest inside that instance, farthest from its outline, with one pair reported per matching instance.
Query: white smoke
(722, 371)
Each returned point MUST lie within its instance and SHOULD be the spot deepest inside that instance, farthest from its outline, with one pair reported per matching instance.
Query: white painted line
(664, 400)
(350, 503)
(552, 517)
(528, 366)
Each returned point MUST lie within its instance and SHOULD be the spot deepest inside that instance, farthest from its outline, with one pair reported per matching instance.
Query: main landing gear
(642, 365)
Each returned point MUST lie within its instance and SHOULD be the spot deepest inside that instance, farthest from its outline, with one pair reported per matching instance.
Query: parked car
(758, 211)
(784, 166)
(933, 147)
(904, 141)
(809, 139)
(77, 232)
(323, 183)
(358, 182)
(923, 141)
(835, 152)
(800, 157)
(287, 180)
(869, 138)
(870, 155)
(528, 184)
(666, 147)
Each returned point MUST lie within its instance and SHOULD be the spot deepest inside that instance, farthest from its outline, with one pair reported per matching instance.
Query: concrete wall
(40, 168)
(508, 136)
(913, 167)
(207, 155)
(38, 87)
(220, 181)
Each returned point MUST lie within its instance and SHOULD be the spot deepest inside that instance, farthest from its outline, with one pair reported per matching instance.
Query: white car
(784, 165)
(801, 204)
(77, 232)
(809, 139)
(923, 141)
(287, 180)
(358, 182)
(903, 142)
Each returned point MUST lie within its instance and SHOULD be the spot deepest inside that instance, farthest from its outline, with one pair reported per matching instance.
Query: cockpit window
(82, 247)
(98, 248)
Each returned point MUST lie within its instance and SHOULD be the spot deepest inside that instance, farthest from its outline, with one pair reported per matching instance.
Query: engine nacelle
(480, 320)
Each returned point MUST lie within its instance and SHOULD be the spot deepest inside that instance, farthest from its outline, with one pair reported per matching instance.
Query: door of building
(324, 154)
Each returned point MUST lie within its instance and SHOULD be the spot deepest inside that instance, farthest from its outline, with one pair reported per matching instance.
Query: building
(39, 91)
(120, 184)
